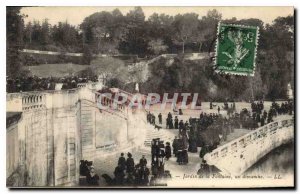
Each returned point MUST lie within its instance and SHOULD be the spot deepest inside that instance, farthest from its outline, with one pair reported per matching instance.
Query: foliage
(14, 40)
(114, 33)
(110, 68)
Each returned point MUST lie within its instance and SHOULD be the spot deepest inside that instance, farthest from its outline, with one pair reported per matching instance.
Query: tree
(207, 30)
(14, 40)
(28, 33)
(45, 33)
(66, 37)
(157, 46)
(108, 68)
(136, 16)
(185, 27)
(136, 39)
(104, 30)
(276, 61)
(87, 55)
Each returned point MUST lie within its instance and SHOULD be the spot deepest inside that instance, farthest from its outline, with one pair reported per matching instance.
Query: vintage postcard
(150, 97)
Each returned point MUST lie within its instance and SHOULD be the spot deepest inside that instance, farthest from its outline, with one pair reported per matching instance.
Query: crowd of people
(209, 130)
(205, 131)
(159, 153)
(129, 173)
(175, 123)
(34, 83)
(151, 118)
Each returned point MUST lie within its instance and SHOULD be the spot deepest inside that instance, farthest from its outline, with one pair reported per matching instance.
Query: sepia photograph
(154, 97)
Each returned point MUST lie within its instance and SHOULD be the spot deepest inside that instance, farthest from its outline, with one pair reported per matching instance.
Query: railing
(110, 111)
(33, 101)
(242, 142)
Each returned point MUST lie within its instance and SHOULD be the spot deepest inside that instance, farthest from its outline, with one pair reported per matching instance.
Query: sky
(75, 15)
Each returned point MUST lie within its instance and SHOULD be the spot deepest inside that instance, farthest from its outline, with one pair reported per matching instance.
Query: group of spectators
(259, 117)
(88, 171)
(159, 153)
(210, 129)
(151, 118)
(129, 173)
(175, 123)
(284, 108)
(206, 131)
(34, 83)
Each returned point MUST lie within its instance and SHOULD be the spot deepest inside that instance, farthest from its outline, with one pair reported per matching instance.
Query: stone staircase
(166, 135)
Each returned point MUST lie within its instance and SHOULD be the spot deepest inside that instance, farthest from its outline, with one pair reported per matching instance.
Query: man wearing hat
(143, 161)
(129, 163)
(122, 162)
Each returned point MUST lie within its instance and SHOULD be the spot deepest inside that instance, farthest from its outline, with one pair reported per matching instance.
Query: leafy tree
(14, 40)
(136, 39)
(157, 46)
(185, 27)
(108, 68)
(104, 30)
(28, 33)
(87, 55)
(45, 33)
(207, 30)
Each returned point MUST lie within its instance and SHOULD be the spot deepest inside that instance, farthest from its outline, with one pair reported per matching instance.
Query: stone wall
(57, 130)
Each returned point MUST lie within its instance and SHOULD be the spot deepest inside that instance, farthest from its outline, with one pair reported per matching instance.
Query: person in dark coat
(175, 146)
(122, 161)
(262, 122)
(180, 152)
(185, 157)
(119, 175)
(92, 178)
(186, 125)
(144, 175)
(153, 120)
(169, 115)
(176, 122)
(180, 112)
(83, 168)
(154, 148)
(181, 125)
(129, 164)
(192, 144)
(160, 118)
(167, 123)
(154, 168)
(161, 164)
(168, 151)
(143, 161)
(171, 123)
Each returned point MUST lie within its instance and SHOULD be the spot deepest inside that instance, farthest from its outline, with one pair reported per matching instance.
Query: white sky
(75, 15)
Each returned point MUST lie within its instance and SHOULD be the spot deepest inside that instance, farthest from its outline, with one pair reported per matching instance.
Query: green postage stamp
(236, 49)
